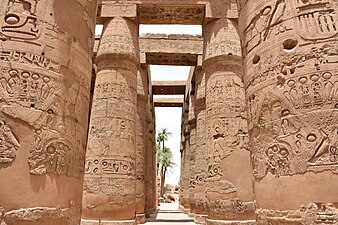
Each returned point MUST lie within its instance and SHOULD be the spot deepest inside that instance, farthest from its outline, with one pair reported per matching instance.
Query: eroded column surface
(45, 73)
(150, 170)
(291, 79)
(192, 153)
(142, 132)
(229, 181)
(186, 164)
(110, 175)
(201, 168)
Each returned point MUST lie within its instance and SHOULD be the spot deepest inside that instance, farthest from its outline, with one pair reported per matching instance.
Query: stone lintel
(168, 102)
(188, 12)
(177, 59)
(168, 87)
(160, 49)
(184, 44)
(111, 9)
(170, 14)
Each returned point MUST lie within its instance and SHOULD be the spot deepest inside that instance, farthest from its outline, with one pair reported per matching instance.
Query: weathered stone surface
(45, 75)
(110, 179)
(291, 88)
(229, 189)
(142, 132)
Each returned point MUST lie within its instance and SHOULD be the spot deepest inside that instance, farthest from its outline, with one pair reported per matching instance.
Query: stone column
(201, 171)
(142, 133)
(229, 183)
(186, 164)
(149, 190)
(45, 74)
(290, 49)
(192, 152)
(152, 131)
(109, 188)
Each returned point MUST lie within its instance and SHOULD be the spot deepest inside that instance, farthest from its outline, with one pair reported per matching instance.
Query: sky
(169, 118)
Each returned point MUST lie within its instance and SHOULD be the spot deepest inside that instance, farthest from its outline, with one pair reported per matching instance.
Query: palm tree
(163, 136)
(167, 161)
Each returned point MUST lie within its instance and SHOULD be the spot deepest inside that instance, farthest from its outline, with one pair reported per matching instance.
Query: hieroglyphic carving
(171, 59)
(9, 145)
(108, 185)
(310, 214)
(316, 19)
(33, 98)
(273, 19)
(20, 20)
(297, 143)
(232, 209)
(110, 166)
(151, 14)
(30, 59)
(226, 123)
(69, 215)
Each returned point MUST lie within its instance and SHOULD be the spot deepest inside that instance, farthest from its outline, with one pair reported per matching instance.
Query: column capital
(119, 41)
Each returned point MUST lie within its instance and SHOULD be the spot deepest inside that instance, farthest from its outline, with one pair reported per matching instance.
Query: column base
(186, 211)
(181, 208)
(200, 218)
(141, 218)
(191, 215)
(108, 222)
(230, 222)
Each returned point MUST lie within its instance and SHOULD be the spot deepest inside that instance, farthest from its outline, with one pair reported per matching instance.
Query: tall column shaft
(186, 165)
(149, 191)
(192, 153)
(201, 170)
(229, 187)
(290, 49)
(45, 74)
(110, 179)
(142, 133)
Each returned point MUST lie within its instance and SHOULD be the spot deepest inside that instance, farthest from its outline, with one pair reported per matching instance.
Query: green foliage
(165, 158)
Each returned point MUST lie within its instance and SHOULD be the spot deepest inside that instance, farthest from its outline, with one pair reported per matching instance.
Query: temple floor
(168, 213)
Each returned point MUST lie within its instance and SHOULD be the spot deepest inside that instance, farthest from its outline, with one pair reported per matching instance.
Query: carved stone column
(109, 188)
(142, 133)
(291, 59)
(201, 171)
(45, 74)
(229, 187)
(192, 152)
(186, 164)
(149, 180)
(154, 186)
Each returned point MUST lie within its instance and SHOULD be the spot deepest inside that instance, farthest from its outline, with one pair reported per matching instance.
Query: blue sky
(169, 118)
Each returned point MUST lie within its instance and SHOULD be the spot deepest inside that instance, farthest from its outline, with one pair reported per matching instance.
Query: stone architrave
(201, 170)
(110, 175)
(290, 64)
(142, 132)
(229, 183)
(45, 75)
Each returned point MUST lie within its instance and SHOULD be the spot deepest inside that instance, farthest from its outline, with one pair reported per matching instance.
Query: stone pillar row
(220, 190)
(269, 117)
